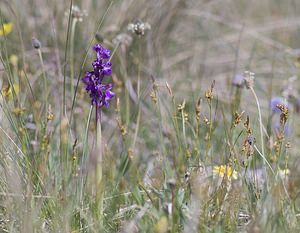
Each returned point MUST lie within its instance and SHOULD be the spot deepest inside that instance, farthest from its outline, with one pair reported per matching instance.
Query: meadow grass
(189, 143)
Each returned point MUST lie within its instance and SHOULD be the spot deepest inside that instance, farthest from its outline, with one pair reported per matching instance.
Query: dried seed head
(50, 115)
(198, 109)
(186, 116)
(76, 13)
(209, 92)
(130, 153)
(122, 128)
(237, 118)
(247, 125)
(248, 145)
(153, 92)
(284, 113)
(249, 79)
(139, 27)
(288, 145)
(153, 96)
(154, 84)
(181, 107)
(45, 143)
(206, 121)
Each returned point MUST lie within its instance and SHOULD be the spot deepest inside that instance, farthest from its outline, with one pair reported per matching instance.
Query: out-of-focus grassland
(176, 118)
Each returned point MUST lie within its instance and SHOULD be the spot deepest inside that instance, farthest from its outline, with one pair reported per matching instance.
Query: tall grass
(184, 145)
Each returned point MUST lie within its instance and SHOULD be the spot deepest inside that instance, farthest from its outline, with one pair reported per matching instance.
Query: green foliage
(184, 148)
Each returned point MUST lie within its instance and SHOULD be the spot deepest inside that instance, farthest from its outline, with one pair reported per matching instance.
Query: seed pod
(36, 43)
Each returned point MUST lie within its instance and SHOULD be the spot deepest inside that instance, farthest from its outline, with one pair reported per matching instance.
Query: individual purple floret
(100, 93)
(107, 94)
(102, 68)
(278, 100)
(101, 52)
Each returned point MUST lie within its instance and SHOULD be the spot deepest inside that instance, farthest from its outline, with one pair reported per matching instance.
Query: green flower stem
(138, 97)
(99, 161)
(208, 147)
(45, 80)
(262, 153)
(260, 121)
(183, 127)
(82, 179)
(72, 55)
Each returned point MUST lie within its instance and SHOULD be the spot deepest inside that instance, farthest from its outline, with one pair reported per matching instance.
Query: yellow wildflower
(223, 170)
(162, 225)
(7, 91)
(5, 29)
(13, 59)
(19, 111)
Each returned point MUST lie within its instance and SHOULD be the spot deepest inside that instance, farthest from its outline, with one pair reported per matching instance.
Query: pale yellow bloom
(223, 170)
(5, 29)
(283, 173)
(162, 225)
(7, 91)
(13, 59)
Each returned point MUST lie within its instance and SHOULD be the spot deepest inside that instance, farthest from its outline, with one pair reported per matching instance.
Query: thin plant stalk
(138, 96)
(84, 153)
(137, 126)
(65, 60)
(73, 27)
(45, 79)
(264, 159)
(99, 161)
(210, 130)
(260, 123)
(127, 102)
(183, 127)
(262, 154)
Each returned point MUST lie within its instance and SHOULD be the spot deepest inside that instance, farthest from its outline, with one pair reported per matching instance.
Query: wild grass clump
(146, 116)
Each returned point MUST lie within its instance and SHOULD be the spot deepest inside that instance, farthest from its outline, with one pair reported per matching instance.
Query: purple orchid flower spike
(101, 94)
